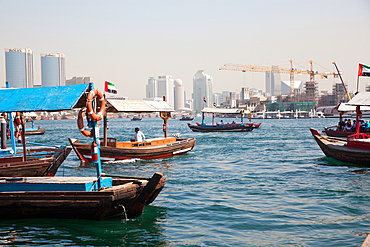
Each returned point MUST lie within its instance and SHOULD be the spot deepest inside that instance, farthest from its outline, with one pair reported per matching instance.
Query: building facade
(151, 88)
(53, 70)
(19, 68)
(79, 80)
(165, 87)
(202, 89)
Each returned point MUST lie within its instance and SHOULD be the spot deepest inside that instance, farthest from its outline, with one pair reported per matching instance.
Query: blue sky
(127, 42)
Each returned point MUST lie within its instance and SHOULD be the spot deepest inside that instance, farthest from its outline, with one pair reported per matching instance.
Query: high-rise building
(165, 88)
(53, 72)
(202, 90)
(151, 88)
(273, 82)
(179, 95)
(19, 67)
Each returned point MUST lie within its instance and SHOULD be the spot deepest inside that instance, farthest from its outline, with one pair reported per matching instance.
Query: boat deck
(51, 184)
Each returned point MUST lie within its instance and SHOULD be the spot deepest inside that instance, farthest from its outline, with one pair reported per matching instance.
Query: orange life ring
(90, 110)
(80, 123)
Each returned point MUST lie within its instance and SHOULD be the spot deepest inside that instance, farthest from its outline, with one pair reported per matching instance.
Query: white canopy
(224, 110)
(360, 99)
(138, 106)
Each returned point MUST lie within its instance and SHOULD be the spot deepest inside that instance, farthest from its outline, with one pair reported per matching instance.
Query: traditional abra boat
(136, 118)
(233, 127)
(91, 198)
(356, 149)
(34, 130)
(112, 150)
(33, 160)
(187, 118)
(342, 108)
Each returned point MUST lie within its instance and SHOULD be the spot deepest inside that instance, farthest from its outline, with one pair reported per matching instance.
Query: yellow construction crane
(291, 71)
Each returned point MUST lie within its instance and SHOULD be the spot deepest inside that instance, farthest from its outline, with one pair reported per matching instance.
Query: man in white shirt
(139, 136)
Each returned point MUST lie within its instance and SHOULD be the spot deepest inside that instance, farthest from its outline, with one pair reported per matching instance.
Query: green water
(270, 187)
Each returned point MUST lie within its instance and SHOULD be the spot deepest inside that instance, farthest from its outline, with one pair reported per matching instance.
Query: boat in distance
(155, 148)
(222, 127)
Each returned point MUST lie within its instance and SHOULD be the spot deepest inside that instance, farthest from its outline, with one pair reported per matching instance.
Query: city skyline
(127, 42)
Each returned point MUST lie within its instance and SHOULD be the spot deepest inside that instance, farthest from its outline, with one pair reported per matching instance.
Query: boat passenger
(222, 122)
(354, 126)
(233, 122)
(139, 136)
(349, 125)
(367, 126)
(362, 126)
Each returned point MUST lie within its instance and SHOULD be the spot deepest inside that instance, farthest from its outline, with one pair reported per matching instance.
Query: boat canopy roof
(360, 99)
(224, 110)
(137, 106)
(57, 98)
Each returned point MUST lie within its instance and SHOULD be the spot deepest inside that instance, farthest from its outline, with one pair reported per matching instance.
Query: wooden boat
(233, 127)
(34, 130)
(92, 198)
(155, 148)
(187, 118)
(356, 148)
(136, 118)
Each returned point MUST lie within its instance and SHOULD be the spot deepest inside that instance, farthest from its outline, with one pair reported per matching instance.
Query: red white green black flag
(363, 70)
(110, 88)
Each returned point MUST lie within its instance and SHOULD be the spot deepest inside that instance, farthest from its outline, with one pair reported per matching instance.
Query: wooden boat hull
(337, 149)
(127, 197)
(221, 128)
(39, 162)
(110, 153)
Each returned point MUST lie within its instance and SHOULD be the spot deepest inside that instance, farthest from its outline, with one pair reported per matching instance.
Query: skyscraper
(273, 82)
(202, 90)
(165, 88)
(151, 88)
(19, 67)
(53, 72)
(179, 95)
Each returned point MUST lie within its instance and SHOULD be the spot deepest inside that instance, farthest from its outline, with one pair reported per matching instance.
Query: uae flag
(363, 70)
(110, 88)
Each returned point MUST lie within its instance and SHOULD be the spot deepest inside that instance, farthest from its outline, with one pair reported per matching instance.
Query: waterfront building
(79, 80)
(273, 85)
(179, 95)
(53, 72)
(202, 89)
(19, 67)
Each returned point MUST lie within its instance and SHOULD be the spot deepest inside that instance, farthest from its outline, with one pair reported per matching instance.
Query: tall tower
(19, 67)
(53, 70)
(165, 88)
(151, 88)
(202, 89)
(179, 95)
(273, 82)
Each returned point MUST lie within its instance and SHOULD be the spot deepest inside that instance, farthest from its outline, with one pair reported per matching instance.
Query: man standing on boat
(139, 136)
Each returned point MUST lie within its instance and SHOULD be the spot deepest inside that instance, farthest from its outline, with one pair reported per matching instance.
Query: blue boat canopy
(57, 98)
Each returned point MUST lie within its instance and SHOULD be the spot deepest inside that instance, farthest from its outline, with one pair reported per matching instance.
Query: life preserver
(80, 123)
(90, 110)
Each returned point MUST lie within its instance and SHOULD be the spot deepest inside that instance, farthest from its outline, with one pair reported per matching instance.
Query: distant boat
(187, 118)
(34, 130)
(222, 127)
(136, 118)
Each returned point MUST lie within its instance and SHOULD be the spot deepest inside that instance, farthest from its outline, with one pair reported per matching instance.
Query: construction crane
(291, 71)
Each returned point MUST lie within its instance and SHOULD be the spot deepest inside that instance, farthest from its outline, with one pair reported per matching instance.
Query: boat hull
(337, 149)
(221, 128)
(39, 162)
(35, 132)
(126, 198)
(109, 153)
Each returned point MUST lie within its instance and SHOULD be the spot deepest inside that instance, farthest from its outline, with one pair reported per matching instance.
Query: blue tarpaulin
(41, 98)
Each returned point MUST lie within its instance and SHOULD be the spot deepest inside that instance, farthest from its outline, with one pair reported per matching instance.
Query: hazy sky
(127, 42)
